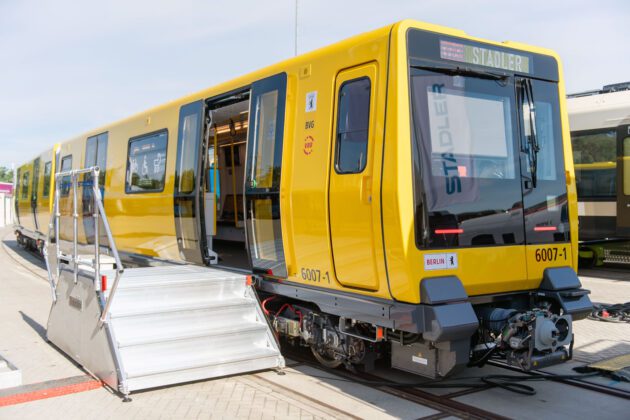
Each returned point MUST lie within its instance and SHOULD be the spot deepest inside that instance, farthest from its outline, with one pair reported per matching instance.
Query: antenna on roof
(296, 28)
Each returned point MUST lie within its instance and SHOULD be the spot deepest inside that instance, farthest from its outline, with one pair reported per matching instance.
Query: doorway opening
(227, 119)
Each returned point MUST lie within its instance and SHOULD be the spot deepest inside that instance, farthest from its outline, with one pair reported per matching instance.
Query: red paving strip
(48, 389)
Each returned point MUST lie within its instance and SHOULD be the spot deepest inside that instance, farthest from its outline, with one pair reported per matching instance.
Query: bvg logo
(308, 145)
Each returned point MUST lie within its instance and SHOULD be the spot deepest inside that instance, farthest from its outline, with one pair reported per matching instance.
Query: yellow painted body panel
(392, 267)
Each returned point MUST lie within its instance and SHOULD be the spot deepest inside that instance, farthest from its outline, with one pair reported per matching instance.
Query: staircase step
(166, 356)
(172, 286)
(255, 353)
(212, 318)
(146, 309)
(179, 279)
(163, 336)
(156, 276)
(186, 372)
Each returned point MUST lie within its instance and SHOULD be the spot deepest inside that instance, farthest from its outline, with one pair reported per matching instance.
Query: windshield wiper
(532, 140)
(464, 71)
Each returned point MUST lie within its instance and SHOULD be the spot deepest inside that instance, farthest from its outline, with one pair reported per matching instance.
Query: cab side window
(352, 126)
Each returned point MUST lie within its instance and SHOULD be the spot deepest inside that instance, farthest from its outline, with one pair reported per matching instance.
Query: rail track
(446, 404)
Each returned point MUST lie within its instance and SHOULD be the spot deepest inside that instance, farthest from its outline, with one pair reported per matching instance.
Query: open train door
(262, 176)
(188, 206)
(623, 185)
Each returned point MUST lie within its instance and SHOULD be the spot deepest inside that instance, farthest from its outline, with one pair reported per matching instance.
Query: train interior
(226, 137)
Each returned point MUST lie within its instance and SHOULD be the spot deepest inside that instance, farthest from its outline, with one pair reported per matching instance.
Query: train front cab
(493, 194)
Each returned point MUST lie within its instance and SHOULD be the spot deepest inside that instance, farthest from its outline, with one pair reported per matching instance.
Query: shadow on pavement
(39, 328)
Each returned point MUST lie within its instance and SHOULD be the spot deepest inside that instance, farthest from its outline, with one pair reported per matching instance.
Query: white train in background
(600, 134)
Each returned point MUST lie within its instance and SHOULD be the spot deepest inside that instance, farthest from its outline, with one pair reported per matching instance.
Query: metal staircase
(154, 326)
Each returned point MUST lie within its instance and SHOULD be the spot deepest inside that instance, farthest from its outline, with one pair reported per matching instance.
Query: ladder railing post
(94, 209)
(57, 217)
(119, 267)
(51, 227)
(75, 227)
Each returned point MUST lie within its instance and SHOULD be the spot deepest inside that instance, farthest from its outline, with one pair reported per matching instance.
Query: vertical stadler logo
(440, 261)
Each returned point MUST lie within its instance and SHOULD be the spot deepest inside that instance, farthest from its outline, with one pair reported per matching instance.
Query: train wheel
(325, 359)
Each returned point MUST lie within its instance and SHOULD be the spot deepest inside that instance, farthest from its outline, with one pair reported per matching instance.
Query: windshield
(470, 167)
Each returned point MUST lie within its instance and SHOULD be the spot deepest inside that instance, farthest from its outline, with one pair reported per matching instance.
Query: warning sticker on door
(440, 261)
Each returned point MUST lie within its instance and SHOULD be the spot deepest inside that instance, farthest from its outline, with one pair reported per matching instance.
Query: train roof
(604, 108)
(240, 81)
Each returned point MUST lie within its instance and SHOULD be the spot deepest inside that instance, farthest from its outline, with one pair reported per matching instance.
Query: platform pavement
(597, 340)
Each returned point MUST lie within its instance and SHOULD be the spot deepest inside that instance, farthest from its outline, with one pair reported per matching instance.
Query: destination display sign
(482, 56)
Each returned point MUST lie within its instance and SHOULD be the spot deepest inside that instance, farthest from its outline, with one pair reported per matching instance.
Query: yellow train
(406, 193)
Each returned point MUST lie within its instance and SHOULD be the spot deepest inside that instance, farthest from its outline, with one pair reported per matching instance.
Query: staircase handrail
(100, 211)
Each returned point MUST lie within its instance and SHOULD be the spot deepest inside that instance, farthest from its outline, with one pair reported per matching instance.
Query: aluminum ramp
(142, 328)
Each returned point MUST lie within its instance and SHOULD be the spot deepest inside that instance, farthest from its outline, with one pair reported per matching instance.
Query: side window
(265, 168)
(66, 165)
(101, 158)
(47, 171)
(25, 186)
(188, 153)
(96, 155)
(146, 163)
(595, 157)
(36, 165)
(352, 126)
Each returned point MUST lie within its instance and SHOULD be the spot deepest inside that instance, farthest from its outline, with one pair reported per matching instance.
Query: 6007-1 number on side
(550, 254)
(313, 274)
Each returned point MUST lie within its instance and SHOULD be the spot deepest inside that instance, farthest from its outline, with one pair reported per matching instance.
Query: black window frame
(367, 131)
(141, 137)
(46, 187)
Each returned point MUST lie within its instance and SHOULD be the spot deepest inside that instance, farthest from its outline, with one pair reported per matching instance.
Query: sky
(69, 66)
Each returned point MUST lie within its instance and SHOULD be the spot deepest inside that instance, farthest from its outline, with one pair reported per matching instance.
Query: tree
(6, 174)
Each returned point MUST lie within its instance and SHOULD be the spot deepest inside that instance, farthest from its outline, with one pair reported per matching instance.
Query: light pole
(296, 29)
